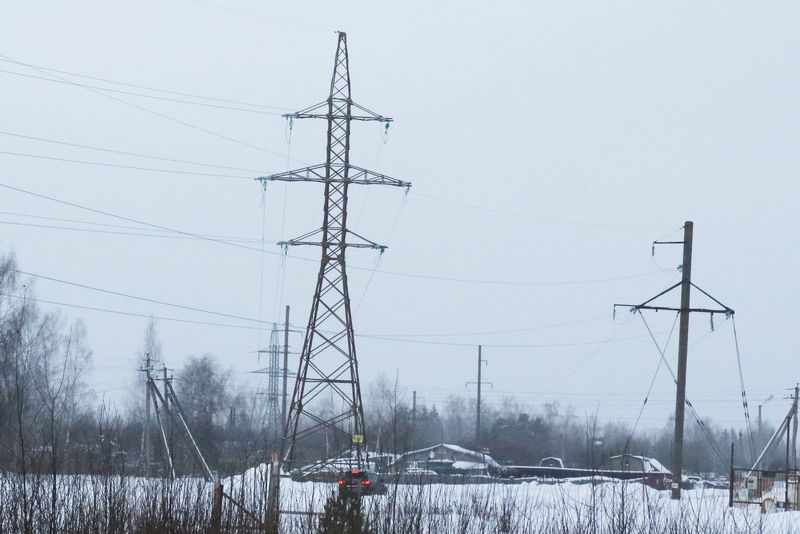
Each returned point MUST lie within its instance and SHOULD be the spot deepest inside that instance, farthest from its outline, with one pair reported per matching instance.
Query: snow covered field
(129, 504)
(611, 506)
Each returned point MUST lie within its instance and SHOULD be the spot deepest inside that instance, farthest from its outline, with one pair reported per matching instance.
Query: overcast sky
(548, 143)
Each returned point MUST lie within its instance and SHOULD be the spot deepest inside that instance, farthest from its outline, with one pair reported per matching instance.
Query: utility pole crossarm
(637, 307)
(340, 173)
(646, 304)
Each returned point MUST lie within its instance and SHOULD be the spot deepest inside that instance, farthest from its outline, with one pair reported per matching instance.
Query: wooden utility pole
(168, 419)
(730, 481)
(683, 342)
(146, 454)
(273, 518)
(683, 347)
(414, 421)
(478, 425)
(480, 382)
(794, 427)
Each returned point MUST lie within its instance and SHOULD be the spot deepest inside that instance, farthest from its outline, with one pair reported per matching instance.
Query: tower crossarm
(319, 174)
(317, 238)
(316, 112)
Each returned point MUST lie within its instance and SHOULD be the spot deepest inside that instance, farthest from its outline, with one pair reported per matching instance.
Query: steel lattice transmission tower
(328, 363)
(272, 417)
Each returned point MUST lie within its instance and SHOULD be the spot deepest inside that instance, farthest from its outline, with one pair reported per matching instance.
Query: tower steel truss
(328, 364)
(272, 416)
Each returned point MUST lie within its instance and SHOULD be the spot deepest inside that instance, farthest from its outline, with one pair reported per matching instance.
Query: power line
(509, 331)
(386, 272)
(244, 318)
(124, 153)
(116, 232)
(650, 389)
(109, 225)
(147, 110)
(131, 314)
(504, 345)
(93, 230)
(531, 217)
(143, 299)
(129, 219)
(153, 97)
(513, 282)
(151, 88)
(121, 166)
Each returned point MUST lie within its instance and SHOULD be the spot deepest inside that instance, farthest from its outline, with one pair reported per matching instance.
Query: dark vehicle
(358, 482)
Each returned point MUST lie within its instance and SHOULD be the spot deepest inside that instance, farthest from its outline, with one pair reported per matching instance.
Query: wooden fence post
(216, 506)
(273, 518)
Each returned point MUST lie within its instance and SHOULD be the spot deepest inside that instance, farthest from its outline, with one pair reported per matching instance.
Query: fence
(762, 487)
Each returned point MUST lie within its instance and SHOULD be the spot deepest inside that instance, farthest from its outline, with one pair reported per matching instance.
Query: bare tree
(56, 378)
(202, 388)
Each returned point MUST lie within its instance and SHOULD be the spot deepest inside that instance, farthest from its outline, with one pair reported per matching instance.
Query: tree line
(52, 423)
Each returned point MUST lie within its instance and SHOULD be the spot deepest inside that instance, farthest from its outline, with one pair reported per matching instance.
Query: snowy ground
(129, 504)
(612, 506)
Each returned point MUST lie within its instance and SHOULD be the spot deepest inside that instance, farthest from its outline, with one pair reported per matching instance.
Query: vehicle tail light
(365, 482)
(341, 482)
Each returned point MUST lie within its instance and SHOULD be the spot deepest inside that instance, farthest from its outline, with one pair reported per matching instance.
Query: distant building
(551, 461)
(446, 459)
(653, 472)
(638, 464)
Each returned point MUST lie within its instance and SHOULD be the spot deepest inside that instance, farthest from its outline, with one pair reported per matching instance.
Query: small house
(653, 472)
(447, 459)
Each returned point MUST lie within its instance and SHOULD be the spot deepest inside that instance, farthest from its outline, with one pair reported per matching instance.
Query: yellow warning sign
(358, 438)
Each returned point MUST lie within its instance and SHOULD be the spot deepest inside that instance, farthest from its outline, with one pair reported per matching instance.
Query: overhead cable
(125, 153)
(147, 110)
(532, 217)
(368, 269)
(131, 314)
(122, 166)
(156, 89)
(143, 299)
(142, 95)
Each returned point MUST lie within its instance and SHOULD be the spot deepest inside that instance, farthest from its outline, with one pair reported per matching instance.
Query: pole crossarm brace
(340, 173)
(647, 306)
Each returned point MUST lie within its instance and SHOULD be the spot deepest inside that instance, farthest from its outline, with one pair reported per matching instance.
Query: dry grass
(101, 504)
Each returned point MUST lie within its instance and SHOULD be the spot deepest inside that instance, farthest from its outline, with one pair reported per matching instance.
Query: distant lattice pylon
(274, 422)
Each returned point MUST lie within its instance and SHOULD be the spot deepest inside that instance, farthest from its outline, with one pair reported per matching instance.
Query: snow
(456, 449)
(655, 466)
(468, 465)
(588, 504)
